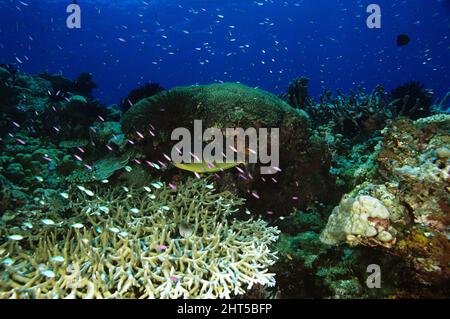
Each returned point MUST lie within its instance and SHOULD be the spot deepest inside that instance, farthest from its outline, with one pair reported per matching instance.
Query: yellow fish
(204, 167)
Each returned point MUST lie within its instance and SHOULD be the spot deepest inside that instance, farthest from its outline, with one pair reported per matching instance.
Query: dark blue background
(326, 40)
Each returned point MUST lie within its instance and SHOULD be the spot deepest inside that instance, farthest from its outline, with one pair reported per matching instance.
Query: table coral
(127, 243)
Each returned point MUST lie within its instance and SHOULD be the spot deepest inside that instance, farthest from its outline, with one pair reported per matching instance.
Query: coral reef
(19, 92)
(100, 170)
(8, 92)
(30, 166)
(297, 93)
(357, 114)
(442, 105)
(150, 122)
(92, 207)
(324, 271)
(83, 85)
(363, 218)
(140, 243)
(412, 100)
(74, 117)
(50, 106)
(411, 201)
(142, 92)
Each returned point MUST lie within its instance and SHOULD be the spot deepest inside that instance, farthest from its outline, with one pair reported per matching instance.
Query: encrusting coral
(155, 242)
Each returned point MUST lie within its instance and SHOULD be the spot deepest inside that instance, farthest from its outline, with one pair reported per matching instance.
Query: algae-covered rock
(415, 153)
(304, 159)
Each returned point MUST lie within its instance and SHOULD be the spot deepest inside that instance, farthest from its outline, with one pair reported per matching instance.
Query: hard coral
(297, 93)
(413, 164)
(138, 243)
(356, 113)
(304, 160)
(73, 117)
(363, 219)
(412, 100)
(415, 154)
(142, 92)
(83, 85)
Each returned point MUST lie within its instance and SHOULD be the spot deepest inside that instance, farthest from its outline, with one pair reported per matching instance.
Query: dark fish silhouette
(403, 39)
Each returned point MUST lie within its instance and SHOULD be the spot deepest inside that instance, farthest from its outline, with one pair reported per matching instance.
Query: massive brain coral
(154, 242)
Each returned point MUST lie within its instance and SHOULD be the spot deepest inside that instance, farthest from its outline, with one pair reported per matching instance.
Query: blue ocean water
(264, 43)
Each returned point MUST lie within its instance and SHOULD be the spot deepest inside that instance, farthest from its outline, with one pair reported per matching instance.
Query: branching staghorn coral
(155, 242)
